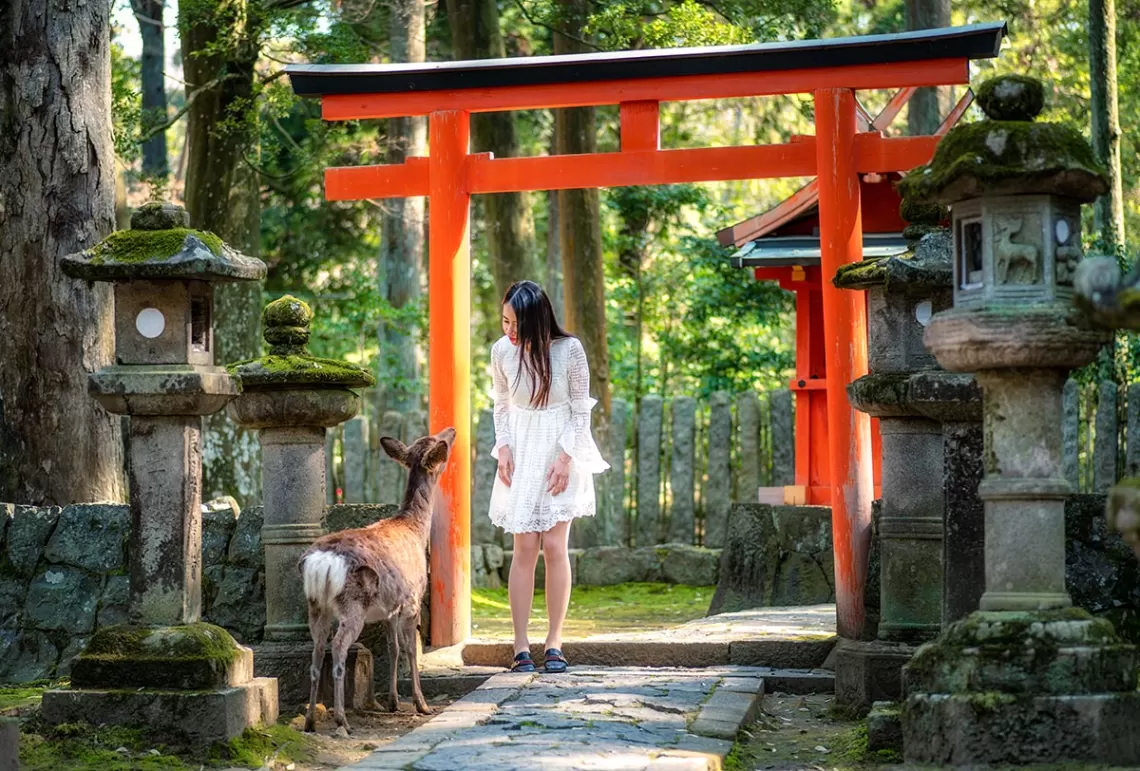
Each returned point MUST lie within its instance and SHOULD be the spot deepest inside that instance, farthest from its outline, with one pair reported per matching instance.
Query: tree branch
(190, 97)
(555, 30)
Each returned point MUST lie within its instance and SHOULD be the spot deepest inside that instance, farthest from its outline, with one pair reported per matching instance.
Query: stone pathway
(618, 719)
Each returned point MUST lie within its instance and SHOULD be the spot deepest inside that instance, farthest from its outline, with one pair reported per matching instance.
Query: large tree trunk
(222, 196)
(402, 227)
(152, 29)
(57, 196)
(1109, 209)
(580, 226)
(475, 34)
(928, 105)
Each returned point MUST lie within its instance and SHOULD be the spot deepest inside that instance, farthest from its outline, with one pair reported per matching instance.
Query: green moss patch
(82, 747)
(634, 607)
(150, 245)
(18, 697)
(294, 370)
(191, 657)
(1001, 157)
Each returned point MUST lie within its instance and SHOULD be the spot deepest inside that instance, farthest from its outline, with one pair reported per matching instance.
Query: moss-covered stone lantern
(292, 398)
(166, 670)
(1027, 678)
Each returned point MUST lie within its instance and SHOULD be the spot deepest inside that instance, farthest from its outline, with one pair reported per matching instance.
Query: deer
(375, 574)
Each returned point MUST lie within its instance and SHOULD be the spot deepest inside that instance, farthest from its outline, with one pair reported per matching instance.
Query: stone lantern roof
(286, 324)
(1008, 154)
(160, 245)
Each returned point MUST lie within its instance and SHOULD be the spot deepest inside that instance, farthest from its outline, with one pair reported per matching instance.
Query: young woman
(546, 456)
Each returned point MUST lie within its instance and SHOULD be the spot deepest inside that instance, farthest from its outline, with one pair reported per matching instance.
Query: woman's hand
(506, 465)
(558, 477)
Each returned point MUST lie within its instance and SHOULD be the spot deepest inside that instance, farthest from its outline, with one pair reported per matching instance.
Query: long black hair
(537, 330)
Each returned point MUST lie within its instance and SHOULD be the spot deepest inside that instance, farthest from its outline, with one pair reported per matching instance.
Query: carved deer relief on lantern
(1015, 262)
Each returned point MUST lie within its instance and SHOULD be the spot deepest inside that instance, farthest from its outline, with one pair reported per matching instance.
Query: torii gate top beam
(355, 91)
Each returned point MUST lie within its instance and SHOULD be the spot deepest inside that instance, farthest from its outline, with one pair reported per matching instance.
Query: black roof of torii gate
(976, 41)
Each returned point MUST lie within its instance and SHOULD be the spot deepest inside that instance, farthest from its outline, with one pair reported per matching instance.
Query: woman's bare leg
(520, 585)
(555, 550)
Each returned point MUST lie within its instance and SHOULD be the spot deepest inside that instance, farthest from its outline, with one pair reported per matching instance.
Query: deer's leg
(411, 629)
(351, 622)
(393, 701)
(320, 621)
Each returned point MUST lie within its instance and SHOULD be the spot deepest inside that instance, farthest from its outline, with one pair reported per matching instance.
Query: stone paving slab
(788, 638)
(614, 718)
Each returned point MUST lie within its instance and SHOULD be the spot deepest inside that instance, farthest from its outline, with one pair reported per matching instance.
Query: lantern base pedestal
(1015, 687)
(869, 671)
(290, 662)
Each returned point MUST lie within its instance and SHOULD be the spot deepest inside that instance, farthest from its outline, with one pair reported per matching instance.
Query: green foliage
(126, 104)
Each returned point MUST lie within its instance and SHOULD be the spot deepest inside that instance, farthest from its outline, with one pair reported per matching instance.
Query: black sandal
(555, 662)
(523, 662)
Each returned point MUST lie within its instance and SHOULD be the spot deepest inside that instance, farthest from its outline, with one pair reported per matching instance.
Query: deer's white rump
(324, 574)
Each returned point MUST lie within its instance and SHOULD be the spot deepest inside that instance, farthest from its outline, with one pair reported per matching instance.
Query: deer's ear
(436, 456)
(395, 449)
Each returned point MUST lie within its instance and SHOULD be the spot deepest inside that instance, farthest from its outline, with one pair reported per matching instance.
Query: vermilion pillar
(845, 329)
(449, 361)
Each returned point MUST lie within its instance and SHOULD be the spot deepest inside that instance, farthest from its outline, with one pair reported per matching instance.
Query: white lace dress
(536, 435)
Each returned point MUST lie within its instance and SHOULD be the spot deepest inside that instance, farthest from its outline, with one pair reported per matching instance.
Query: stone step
(775, 654)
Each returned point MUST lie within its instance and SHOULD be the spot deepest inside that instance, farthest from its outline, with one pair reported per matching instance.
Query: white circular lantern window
(150, 322)
(1061, 230)
(923, 311)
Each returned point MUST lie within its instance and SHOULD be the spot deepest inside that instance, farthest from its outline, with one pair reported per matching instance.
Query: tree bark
(57, 196)
(928, 105)
(1108, 212)
(475, 34)
(222, 196)
(151, 75)
(580, 226)
(402, 227)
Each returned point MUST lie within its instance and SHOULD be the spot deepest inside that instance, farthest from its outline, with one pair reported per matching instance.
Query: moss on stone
(884, 389)
(132, 246)
(286, 322)
(1002, 157)
(274, 371)
(1011, 97)
(922, 213)
(926, 265)
(197, 641)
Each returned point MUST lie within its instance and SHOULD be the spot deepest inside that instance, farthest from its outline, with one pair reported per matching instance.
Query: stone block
(355, 459)
(690, 565)
(9, 744)
(28, 533)
(347, 516)
(1132, 407)
(866, 672)
(682, 507)
(483, 479)
(1105, 444)
(13, 590)
(884, 727)
(26, 655)
(391, 477)
(7, 513)
(717, 492)
(963, 534)
(1070, 432)
(239, 605)
(780, 654)
(191, 657)
(90, 536)
(649, 427)
(975, 729)
(775, 556)
(219, 520)
(245, 545)
(62, 599)
(199, 717)
(67, 658)
(783, 437)
(608, 565)
(290, 664)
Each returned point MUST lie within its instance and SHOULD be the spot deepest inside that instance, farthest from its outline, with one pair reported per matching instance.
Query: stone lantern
(292, 398)
(1027, 678)
(165, 669)
(903, 293)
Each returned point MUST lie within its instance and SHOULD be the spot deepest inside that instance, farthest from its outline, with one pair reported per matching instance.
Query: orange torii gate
(638, 81)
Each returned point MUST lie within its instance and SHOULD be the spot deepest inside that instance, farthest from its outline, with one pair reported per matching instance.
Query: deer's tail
(324, 574)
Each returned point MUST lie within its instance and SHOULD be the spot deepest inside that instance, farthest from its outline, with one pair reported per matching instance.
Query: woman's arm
(502, 397)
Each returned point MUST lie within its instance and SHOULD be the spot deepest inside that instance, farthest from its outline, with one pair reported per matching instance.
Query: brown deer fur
(376, 573)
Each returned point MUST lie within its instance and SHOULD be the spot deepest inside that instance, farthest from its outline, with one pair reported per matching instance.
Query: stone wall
(63, 574)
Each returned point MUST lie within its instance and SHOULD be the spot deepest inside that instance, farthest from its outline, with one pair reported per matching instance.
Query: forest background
(204, 115)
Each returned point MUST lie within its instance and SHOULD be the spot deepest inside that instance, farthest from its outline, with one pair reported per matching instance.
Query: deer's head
(428, 454)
